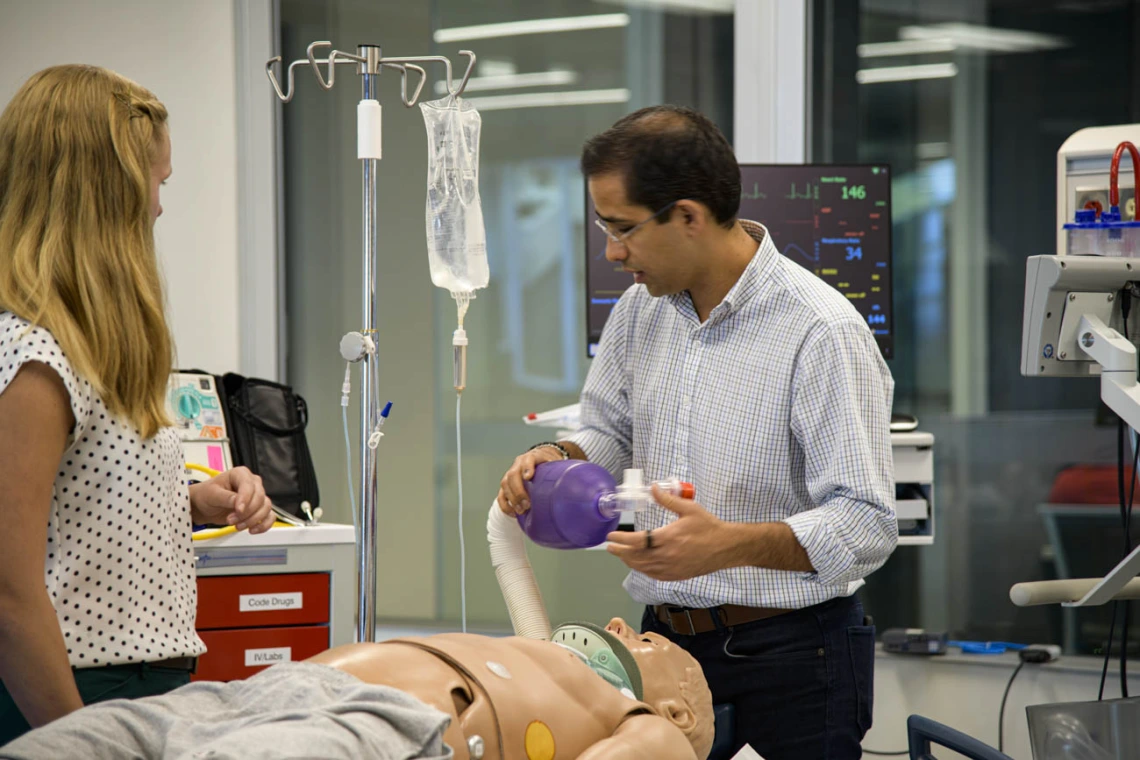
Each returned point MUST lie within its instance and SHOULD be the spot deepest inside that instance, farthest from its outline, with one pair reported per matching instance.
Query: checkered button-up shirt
(777, 408)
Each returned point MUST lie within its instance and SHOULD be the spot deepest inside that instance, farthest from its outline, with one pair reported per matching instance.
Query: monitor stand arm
(1120, 391)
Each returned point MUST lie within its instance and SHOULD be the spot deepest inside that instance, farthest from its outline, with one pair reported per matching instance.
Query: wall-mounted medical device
(1084, 168)
(195, 406)
(1078, 317)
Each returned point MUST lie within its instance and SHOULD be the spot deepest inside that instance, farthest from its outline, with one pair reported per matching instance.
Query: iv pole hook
(466, 75)
(310, 52)
(404, 82)
(288, 94)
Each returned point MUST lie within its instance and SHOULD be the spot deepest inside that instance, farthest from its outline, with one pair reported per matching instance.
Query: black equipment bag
(266, 422)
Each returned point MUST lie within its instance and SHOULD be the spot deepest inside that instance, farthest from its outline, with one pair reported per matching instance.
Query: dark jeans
(801, 683)
(98, 685)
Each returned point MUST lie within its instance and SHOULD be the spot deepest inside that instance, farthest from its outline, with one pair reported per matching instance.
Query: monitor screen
(834, 220)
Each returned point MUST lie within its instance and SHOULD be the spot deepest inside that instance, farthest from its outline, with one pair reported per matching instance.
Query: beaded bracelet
(552, 444)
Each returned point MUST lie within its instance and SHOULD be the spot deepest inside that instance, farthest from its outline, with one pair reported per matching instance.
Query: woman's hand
(236, 497)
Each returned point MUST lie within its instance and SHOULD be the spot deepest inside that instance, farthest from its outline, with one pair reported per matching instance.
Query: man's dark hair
(667, 154)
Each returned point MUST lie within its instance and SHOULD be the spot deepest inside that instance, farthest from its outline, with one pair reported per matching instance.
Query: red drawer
(234, 655)
(243, 601)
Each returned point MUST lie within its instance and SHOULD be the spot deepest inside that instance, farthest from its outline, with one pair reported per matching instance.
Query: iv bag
(456, 241)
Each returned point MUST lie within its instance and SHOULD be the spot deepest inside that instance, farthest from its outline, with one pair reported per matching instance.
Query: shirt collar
(749, 282)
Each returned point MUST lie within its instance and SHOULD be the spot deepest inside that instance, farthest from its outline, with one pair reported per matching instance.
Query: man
(730, 366)
(591, 693)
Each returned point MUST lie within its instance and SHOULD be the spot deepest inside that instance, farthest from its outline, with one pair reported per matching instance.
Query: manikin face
(159, 172)
(664, 667)
(659, 255)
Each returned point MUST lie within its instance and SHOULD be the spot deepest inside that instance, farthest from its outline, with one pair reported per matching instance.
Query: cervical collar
(604, 653)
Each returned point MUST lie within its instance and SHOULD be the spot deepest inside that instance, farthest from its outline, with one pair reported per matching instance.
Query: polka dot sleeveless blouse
(119, 565)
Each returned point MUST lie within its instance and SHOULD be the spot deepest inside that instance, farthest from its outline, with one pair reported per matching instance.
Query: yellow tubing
(202, 535)
(203, 469)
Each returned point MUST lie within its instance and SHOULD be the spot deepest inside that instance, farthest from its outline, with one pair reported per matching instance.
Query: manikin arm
(642, 736)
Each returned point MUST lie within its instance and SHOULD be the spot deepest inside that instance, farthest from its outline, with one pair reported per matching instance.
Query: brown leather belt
(690, 622)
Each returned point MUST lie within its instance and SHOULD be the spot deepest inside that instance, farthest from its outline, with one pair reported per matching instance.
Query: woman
(97, 582)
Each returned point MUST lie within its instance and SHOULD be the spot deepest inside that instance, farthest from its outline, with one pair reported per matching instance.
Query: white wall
(184, 53)
(770, 85)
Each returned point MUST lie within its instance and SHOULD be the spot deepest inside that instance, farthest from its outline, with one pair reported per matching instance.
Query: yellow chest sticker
(539, 741)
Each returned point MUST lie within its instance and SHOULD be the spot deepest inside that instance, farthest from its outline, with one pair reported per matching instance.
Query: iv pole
(369, 64)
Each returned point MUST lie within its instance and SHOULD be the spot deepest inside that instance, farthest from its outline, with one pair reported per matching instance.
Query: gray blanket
(292, 710)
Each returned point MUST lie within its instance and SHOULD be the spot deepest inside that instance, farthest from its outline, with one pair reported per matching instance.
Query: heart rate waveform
(791, 248)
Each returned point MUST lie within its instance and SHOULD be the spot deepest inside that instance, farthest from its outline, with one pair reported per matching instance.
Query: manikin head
(672, 682)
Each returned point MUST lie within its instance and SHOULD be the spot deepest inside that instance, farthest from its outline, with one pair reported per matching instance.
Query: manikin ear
(678, 713)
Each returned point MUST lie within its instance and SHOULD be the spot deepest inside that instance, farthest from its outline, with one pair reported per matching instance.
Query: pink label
(214, 457)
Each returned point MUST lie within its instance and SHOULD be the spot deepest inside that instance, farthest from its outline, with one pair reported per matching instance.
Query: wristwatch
(552, 444)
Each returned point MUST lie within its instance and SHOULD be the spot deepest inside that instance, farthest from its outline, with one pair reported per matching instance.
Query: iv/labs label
(262, 602)
(258, 657)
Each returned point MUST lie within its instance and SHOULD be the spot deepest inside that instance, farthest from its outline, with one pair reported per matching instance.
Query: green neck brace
(604, 653)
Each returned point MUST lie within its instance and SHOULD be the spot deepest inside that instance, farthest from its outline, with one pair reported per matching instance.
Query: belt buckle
(688, 617)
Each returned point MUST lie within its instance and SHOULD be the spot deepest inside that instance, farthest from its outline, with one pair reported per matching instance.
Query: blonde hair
(76, 233)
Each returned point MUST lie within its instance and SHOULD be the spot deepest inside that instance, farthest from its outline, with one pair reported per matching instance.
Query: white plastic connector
(346, 386)
(1040, 653)
(633, 490)
(631, 495)
(368, 142)
(631, 479)
(635, 495)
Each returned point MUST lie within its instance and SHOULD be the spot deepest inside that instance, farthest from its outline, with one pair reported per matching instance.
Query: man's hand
(236, 497)
(692, 545)
(512, 493)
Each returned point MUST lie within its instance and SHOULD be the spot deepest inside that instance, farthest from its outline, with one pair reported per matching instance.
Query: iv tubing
(348, 466)
(459, 371)
(462, 543)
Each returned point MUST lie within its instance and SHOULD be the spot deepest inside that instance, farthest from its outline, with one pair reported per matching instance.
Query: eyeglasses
(620, 239)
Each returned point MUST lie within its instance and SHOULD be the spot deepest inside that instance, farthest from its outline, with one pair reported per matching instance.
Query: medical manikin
(588, 693)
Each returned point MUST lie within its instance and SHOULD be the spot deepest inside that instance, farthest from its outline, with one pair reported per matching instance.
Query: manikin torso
(548, 703)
